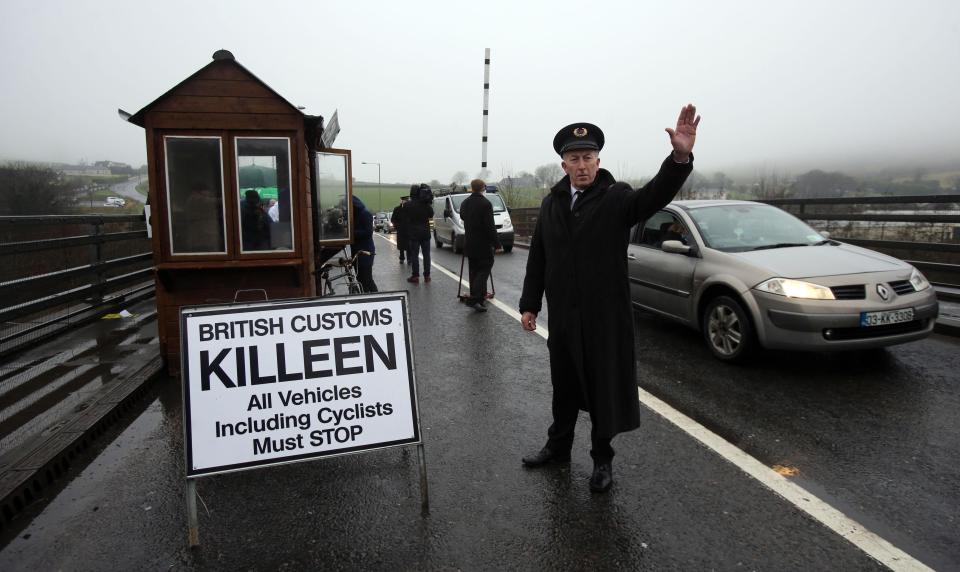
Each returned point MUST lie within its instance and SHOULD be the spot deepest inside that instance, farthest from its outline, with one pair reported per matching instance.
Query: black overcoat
(481, 238)
(578, 259)
(399, 220)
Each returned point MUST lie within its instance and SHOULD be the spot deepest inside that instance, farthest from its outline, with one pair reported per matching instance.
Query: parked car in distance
(381, 223)
(448, 226)
(116, 202)
(749, 275)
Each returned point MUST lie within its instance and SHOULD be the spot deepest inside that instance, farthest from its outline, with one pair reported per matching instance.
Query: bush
(32, 190)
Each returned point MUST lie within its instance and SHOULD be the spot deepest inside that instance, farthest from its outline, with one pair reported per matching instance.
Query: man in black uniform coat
(400, 224)
(480, 242)
(578, 258)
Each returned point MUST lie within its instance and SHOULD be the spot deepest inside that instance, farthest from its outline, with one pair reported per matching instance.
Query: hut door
(332, 188)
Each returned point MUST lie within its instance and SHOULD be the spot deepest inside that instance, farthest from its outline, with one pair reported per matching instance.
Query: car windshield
(743, 227)
(495, 200)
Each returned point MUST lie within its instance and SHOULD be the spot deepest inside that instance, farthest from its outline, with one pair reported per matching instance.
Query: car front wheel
(727, 329)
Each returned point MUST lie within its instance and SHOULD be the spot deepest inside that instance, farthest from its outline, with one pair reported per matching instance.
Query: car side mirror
(447, 213)
(674, 247)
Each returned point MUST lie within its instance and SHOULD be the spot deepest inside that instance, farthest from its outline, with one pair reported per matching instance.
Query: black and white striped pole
(486, 105)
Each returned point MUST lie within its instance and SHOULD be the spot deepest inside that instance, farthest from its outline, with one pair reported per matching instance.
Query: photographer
(419, 211)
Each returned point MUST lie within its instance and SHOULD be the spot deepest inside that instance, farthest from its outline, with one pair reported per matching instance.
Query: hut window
(195, 195)
(263, 182)
(332, 180)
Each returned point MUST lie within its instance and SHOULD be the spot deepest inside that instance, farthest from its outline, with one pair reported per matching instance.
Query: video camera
(422, 193)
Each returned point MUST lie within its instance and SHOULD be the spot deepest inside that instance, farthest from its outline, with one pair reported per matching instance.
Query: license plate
(868, 319)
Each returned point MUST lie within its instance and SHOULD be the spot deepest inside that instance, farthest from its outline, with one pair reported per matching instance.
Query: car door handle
(631, 257)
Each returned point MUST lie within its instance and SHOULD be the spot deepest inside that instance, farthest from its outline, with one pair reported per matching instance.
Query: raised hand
(685, 135)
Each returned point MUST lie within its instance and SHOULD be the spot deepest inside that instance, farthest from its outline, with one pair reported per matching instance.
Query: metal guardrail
(68, 270)
(940, 260)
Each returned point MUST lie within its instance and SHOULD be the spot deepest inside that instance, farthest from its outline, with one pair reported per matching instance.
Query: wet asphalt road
(875, 434)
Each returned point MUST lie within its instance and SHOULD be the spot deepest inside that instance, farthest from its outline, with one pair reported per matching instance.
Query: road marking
(849, 529)
(875, 546)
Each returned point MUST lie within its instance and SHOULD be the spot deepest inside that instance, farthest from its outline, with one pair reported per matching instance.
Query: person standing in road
(419, 213)
(363, 240)
(578, 258)
(400, 224)
(480, 242)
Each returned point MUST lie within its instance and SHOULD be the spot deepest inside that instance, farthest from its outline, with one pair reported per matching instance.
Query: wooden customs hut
(242, 195)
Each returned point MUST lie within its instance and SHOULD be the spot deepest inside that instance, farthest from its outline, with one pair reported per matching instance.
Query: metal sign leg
(424, 495)
(193, 524)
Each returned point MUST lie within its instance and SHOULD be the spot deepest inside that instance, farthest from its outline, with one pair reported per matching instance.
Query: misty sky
(793, 85)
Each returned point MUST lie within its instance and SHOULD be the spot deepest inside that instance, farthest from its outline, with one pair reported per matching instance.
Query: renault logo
(884, 293)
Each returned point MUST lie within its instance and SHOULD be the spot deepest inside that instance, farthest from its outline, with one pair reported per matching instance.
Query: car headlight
(918, 281)
(796, 289)
(507, 223)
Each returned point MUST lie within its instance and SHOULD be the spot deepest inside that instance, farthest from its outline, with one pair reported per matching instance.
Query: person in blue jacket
(363, 240)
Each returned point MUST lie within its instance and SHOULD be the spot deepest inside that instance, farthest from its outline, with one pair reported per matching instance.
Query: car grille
(873, 331)
(852, 292)
(902, 287)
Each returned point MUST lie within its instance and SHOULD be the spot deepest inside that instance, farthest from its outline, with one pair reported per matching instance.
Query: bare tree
(459, 178)
(547, 175)
(508, 188)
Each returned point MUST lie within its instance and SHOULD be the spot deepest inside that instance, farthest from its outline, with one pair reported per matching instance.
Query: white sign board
(330, 131)
(278, 382)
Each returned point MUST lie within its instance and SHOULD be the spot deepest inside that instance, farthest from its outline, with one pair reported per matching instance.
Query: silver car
(748, 274)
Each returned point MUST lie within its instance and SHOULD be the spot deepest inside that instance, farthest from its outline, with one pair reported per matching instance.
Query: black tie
(573, 201)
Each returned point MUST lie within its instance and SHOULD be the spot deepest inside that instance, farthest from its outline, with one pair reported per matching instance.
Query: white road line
(875, 546)
(854, 532)
(512, 312)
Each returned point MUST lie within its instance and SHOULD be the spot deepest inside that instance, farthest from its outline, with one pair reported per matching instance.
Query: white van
(448, 226)
(116, 201)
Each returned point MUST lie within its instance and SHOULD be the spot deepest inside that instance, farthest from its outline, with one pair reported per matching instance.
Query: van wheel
(457, 246)
(436, 240)
(728, 330)
(508, 248)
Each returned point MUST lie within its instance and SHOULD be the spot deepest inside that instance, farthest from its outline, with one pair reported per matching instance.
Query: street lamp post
(379, 190)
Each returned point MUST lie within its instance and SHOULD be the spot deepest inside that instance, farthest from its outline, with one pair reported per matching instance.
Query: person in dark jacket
(254, 223)
(400, 224)
(480, 242)
(578, 258)
(419, 212)
(363, 240)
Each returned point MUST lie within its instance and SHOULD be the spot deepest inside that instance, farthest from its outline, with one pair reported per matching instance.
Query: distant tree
(722, 181)
(459, 178)
(820, 184)
(509, 190)
(435, 184)
(33, 190)
(694, 183)
(548, 175)
(484, 174)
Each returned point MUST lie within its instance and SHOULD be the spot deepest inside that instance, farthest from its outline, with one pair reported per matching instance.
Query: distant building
(84, 170)
(114, 167)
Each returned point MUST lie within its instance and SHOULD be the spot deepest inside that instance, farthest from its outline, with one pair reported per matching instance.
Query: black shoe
(477, 306)
(602, 477)
(402, 261)
(545, 455)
